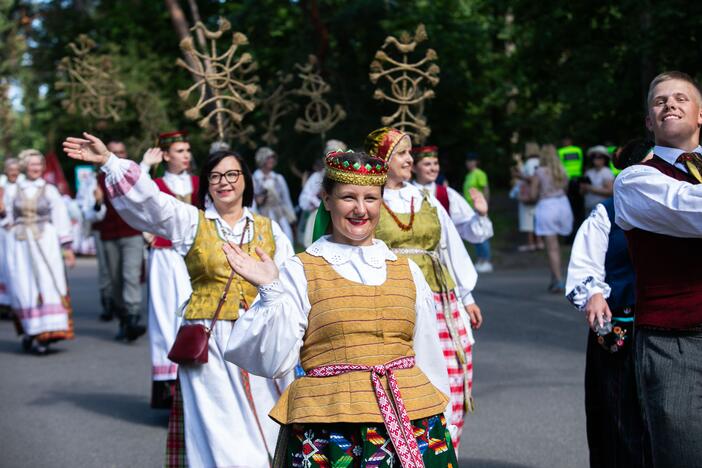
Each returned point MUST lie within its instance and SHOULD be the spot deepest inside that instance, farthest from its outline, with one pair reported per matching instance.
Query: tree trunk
(180, 23)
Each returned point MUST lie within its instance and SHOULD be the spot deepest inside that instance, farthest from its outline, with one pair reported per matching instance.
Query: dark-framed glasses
(231, 176)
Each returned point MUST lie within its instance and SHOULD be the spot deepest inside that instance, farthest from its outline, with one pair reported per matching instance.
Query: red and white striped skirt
(460, 376)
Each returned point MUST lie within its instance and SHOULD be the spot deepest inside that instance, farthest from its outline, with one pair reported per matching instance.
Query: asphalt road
(87, 405)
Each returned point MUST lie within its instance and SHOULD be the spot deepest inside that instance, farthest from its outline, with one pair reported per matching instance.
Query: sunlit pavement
(87, 405)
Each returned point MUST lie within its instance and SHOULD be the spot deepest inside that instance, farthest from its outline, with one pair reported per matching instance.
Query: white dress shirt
(180, 184)
(266, 340)
(471, 226)
(586, 269)
(309, 197)
(647, 199)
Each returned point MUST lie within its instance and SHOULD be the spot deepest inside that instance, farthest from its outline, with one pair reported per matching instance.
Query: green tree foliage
(542, 70)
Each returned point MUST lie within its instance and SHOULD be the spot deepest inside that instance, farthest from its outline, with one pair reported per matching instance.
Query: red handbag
(190, 345)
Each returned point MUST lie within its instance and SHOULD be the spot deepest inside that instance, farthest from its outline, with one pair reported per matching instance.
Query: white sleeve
(144, 207)
(59, 214)
(283, 247)
(286, 197)
(455, 256)
(586, 269)
(309, 197)
(427, 348)
(470, 225)
(266, 339)
(93, 215)
(145, 169)
(88, 210)
(8, 201)
(647, 199)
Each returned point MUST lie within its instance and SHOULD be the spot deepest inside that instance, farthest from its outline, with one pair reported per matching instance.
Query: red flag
(54, 174)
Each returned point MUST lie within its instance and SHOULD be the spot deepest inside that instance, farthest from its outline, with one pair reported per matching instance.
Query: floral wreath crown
(338, 168)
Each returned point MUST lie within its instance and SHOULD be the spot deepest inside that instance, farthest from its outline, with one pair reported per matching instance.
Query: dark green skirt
(344, 445)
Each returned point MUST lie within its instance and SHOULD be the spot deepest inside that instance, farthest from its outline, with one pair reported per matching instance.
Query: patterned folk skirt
(460, 376)
(342, 445)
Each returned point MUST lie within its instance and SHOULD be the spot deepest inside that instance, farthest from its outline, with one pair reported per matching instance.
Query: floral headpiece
(382, 142)
(340, 169)
(165, 139)
(419, 152)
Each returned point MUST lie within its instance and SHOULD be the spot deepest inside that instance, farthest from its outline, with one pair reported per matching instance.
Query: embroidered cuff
(582, 292)
(270, 292)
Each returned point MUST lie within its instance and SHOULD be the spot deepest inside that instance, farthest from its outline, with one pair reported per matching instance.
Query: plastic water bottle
(605, 329)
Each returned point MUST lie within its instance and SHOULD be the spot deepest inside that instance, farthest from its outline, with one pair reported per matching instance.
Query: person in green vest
(611, 150)
(572, 158)
(477, 179)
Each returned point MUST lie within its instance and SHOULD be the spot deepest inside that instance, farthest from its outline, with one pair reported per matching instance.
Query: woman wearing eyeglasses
(224, 407)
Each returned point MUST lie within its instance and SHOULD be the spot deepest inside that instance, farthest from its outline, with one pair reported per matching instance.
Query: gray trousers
(669, 380)
(123, 260)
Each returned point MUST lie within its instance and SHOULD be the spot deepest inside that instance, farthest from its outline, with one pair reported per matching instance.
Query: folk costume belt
(392, 407)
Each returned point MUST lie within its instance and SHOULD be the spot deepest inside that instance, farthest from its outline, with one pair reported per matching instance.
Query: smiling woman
(415, 226)
(223, 405)
(345, 308)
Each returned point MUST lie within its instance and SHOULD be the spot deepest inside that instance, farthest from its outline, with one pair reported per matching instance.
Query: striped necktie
(693, 162)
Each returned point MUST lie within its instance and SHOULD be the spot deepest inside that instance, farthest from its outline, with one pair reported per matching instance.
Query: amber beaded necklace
(400, 224)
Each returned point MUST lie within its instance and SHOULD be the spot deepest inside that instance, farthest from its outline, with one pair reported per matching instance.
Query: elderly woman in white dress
(8, 185)
(272, 193)
(40, 240)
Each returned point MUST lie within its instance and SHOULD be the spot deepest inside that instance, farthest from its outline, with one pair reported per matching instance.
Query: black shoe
(162, 394)
(121, 331)
(106, 316)
(133, 330)
(27, 343)
(40, 348)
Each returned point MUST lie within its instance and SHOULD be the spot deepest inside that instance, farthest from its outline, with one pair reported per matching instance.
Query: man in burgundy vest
(659, 205)
(122, 251)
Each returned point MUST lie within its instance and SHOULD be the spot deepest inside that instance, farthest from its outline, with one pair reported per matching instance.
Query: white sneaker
(483, 267)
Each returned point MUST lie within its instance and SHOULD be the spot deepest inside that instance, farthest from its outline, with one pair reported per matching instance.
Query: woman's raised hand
(89, 148)
(152, 156)
(254, 271)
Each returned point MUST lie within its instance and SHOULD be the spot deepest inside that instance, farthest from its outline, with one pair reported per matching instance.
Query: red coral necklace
(400, 224)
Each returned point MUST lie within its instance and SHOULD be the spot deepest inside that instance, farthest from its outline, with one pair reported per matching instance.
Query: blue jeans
(482, 251)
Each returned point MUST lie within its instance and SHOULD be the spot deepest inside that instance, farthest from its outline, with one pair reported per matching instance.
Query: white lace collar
(431, 186)
(183, 176)
(337, 254)
(406, 193)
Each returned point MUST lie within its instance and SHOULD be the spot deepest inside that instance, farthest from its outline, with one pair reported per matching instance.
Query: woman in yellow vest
(415, 225)
(361, 322)
(224, 407)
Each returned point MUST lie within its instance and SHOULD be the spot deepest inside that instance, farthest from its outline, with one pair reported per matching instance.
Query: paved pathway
(87, 405)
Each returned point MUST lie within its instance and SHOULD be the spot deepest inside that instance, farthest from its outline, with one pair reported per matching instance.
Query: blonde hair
(673, 75)
(549, 159)
(24, 156)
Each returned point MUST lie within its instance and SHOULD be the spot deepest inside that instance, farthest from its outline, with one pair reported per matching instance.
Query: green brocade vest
(424, 235)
